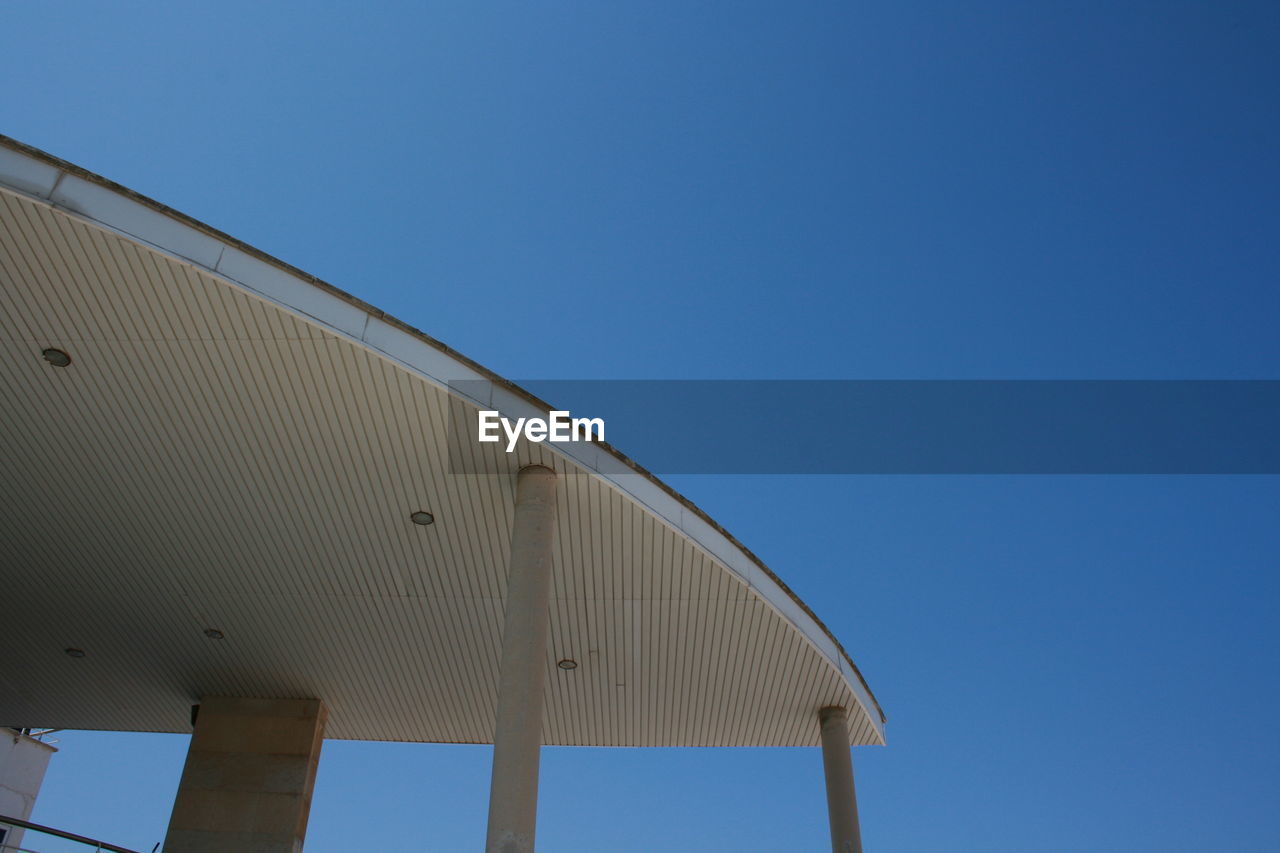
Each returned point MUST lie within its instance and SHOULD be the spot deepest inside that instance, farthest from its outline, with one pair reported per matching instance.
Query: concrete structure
(23, 762)
(842, 803)
(248, 779)
(210, 443)
(517, 738)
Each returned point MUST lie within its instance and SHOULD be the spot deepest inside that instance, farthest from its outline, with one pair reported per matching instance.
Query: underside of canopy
(237, 447)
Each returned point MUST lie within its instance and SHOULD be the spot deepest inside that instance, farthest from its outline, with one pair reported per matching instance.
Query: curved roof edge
(84, 194)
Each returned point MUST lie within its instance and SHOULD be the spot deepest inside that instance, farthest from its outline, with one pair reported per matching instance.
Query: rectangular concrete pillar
(246, 786)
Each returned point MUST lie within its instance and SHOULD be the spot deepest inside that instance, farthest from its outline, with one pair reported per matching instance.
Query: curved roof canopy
(237, 446)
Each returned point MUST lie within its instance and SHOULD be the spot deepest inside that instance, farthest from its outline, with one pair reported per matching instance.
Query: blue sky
(990, 190)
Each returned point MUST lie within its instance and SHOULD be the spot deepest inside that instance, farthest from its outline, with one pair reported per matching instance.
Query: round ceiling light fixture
(213, 634)
(56, 357)
(422, 517)
(567, 664)
(74, 653)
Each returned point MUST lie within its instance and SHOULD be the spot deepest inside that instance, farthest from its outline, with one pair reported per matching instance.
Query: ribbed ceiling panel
(211, 460)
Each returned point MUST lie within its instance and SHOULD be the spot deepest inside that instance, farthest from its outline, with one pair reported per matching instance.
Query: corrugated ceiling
(213, 460)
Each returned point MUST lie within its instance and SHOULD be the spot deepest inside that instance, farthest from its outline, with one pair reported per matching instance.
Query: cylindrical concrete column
(842, 803)
(517, 737)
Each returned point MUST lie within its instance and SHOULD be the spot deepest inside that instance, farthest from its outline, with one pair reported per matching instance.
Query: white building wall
(23, 761)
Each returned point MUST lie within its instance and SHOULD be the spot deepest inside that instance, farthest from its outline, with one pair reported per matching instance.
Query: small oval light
(213, 634)
(421, 517)
(567, 664)
(56, 357)
(74, 653)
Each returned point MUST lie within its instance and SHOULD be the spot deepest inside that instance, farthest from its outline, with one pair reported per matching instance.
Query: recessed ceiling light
(213, 633)
(56, 357)
(74, 653)
(568, 663)
(421, 517)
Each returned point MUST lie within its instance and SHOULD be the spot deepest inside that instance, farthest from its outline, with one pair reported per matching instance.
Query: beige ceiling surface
(212, 460)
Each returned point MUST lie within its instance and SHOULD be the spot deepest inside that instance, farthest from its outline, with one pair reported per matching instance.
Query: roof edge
(64, 168)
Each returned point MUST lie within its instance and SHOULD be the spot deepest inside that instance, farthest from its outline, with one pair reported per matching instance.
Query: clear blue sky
(753, 190)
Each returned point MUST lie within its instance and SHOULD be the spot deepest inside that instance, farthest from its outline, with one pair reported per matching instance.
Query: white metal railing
(92, 843)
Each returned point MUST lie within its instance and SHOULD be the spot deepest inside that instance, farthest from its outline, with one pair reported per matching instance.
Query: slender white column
(517, 738)
(842, 803)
